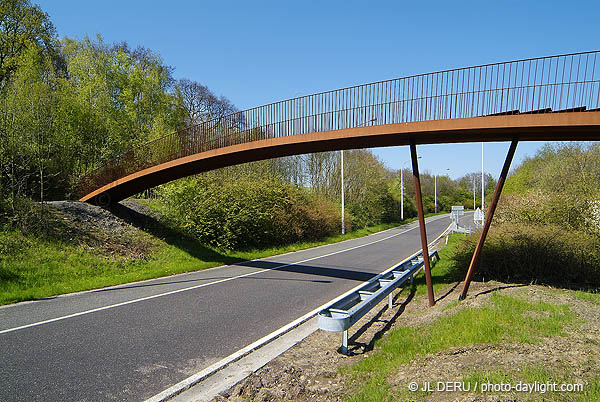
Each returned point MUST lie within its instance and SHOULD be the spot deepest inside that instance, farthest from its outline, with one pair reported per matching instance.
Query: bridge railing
(568, 82)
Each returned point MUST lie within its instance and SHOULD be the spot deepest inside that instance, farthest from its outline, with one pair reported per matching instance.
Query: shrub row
(535, 253)
(243, 214)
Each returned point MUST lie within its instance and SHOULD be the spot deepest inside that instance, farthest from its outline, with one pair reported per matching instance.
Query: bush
(243, 214)
(543, 208)
(546, 254)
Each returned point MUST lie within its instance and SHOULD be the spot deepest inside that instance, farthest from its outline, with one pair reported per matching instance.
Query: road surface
(132, 341)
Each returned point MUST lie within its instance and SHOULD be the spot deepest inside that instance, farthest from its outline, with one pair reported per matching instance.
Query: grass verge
(38, 267)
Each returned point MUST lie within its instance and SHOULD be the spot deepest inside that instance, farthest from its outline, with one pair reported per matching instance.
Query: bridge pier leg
(421, 214)
(488, 217)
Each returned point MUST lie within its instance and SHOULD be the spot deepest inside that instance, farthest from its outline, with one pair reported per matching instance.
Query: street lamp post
(435, 190)
(474, 205)
(402, 188)
(343, 217)
(482, 180)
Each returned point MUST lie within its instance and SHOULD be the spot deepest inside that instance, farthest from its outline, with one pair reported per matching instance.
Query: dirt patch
(310, 370)
(102, 231)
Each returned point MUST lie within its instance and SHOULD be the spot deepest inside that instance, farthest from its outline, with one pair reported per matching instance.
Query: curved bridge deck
(551, 98)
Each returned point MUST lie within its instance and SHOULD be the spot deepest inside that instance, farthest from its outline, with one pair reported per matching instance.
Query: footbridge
(549, 98)
(536, 99)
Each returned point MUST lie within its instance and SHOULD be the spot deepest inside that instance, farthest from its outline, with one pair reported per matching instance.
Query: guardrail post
(345, 342)
(415, 167)
(489, 216)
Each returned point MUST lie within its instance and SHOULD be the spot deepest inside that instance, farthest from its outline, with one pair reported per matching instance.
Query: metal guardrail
(341, 315)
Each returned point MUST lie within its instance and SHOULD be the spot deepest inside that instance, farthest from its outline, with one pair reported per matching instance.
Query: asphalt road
(132, 341)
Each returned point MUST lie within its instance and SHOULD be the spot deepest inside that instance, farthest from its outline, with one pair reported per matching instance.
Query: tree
(200, 104)
(30, 148)
(23, 26)
(571, 168)
(120, 98)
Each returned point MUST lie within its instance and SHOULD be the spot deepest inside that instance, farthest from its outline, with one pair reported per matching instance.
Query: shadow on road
(207, 280)
(341, 273)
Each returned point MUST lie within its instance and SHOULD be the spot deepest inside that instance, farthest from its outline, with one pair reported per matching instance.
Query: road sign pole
(488, 218)
(482, 182)
(415, 167)
(342, 171)
(402, 195)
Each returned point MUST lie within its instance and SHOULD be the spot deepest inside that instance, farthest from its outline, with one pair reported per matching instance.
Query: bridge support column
(415, 167)
(488, 217)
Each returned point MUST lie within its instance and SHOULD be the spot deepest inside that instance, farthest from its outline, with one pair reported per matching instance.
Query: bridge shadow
(359, 276)
(341, 273)
(207, 280)
(191, 246)
(170, 236)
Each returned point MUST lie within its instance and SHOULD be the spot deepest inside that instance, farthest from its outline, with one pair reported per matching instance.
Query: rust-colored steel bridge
(537, 99)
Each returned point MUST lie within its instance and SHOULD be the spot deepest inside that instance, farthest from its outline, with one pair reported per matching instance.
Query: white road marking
(34, 324)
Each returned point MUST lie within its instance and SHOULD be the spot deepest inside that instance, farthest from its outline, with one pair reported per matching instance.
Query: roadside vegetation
(84, 247)
(547, 226)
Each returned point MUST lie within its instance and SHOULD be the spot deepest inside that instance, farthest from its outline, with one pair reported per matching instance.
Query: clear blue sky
(264, 51)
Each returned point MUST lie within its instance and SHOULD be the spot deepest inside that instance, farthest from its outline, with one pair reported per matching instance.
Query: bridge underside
(568, 126)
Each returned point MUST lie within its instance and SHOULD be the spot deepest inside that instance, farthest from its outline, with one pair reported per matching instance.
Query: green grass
(44, 268)
(505, 319)
(38, 267)
(590, 296)
(443, 274)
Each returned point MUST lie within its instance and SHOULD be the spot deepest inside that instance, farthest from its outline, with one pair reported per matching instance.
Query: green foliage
(23, 27)
(247, 213)
(546, 254)
(120, 98)
(569, 168)
(56, 125)
(534, 207)
(367, 184)
(547, 226)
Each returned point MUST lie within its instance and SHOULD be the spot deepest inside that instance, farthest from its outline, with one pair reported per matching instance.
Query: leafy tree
(571, 168)
(29, 144)
(23, 26)
(115, 99)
